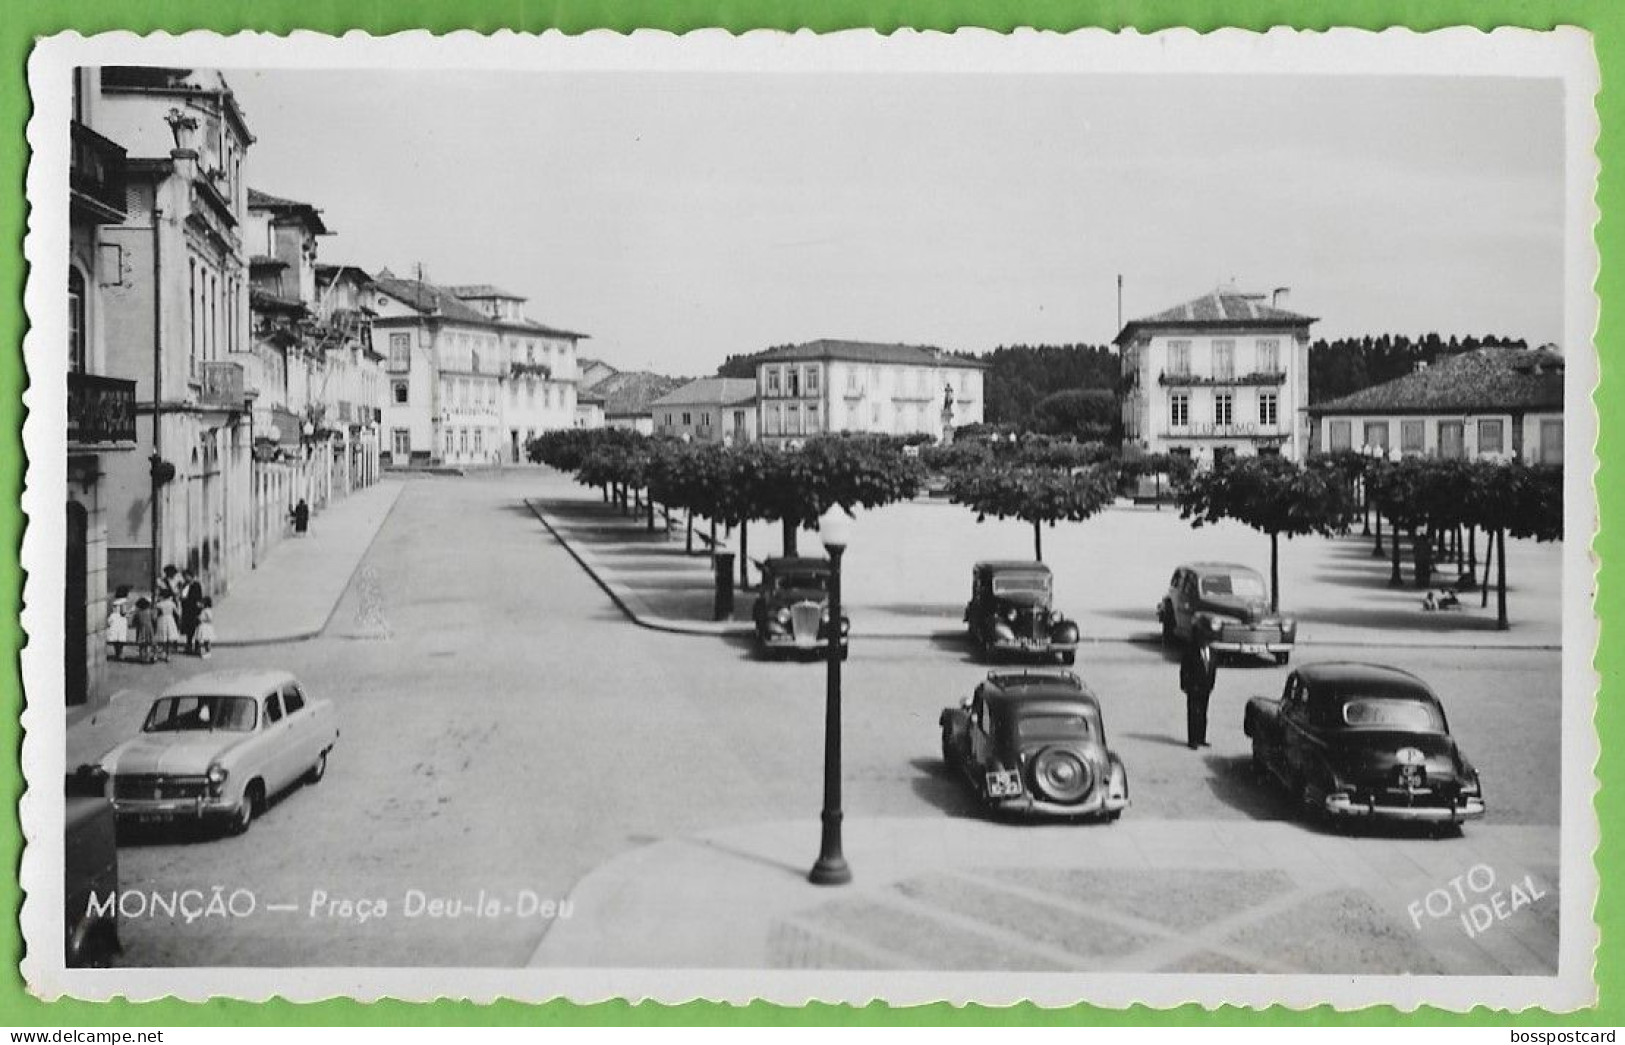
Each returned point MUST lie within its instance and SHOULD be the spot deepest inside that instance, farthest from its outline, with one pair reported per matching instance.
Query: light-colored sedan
(218, 746)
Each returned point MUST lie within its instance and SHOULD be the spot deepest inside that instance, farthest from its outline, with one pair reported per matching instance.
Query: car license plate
(1004, 783)
(1252, 647)
(1412, 776)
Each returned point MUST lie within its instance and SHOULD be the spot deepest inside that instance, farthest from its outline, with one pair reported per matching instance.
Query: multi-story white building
(470, 381)
(1492, 403)
(175, 309)
(1226, 373)
(831, 386)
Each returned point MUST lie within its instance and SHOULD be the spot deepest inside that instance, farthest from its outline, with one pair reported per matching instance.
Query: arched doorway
(76, 682)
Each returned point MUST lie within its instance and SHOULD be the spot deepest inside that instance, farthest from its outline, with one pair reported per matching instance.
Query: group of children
(152, 626)
(1447, 601)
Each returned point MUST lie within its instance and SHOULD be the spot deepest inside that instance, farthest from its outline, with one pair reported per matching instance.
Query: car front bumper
(171, 810)
(1258, 646)
(1035, 647)
(1346, 806)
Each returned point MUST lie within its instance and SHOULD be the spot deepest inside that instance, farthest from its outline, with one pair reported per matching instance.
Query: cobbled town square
(1026, 524)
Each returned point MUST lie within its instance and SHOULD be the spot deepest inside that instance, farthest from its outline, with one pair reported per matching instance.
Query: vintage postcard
(975, 517)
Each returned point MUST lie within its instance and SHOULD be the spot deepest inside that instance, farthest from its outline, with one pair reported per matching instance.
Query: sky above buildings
(681, 217)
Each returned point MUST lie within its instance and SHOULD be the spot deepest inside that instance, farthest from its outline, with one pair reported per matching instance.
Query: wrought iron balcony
(96, 176)
(1260, 377)
(1241, 430)
(101, 411)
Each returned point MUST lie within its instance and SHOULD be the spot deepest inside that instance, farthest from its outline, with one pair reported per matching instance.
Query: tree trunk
(1489, 554)
(713, 536)
(1159, 491)
(1038, 540)
(1275, 573)
(605, 491)
(1376, 552)
(744, 555)
(649, 506)
(1395, 578)
(1422, 553)
(790, 528)
(1470, 577)
(688, 547)
(1501, 580)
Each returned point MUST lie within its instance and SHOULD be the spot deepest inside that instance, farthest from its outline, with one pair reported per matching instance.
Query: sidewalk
(296, 587)
(909, 584)
(1135, 896)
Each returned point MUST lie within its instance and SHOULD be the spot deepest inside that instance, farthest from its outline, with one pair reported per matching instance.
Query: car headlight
(1010, 615)
(783, 616)
(216, 776)
(823, 618)
(846, 625)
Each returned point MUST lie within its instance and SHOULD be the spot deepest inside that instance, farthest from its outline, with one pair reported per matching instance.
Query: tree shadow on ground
(1411, 618)
(949, 612)
(958, 645)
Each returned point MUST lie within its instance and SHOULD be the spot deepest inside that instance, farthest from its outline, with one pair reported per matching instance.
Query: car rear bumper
(1035, 647)
(1223, 645)
(1027, 805)
(1345, 806)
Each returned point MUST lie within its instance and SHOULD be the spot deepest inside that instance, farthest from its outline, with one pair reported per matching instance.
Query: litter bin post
(722, 564)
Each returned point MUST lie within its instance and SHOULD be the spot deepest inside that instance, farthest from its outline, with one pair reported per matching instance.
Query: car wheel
(247, 809)
(947, 746)
(1068, 658)
(1169, 635)
(1114, 816)
(317, 771)
(1282, 658)
(1261, 765)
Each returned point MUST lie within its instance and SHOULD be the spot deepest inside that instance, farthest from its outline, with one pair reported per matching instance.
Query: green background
(25, 20)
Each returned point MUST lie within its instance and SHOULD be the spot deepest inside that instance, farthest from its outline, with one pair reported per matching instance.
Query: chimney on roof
(1279, 298)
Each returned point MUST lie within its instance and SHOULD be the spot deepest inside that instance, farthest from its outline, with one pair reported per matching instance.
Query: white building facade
(1225, 373)
(1497, 404)
(825, 387)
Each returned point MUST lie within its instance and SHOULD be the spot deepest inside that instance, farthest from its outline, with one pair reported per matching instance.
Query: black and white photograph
(961, 517)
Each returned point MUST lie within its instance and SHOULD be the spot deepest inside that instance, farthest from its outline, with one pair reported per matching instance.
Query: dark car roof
(1340, 678)
(792, 563)
(1014, 689)
(1216, 567)
(1000, 565)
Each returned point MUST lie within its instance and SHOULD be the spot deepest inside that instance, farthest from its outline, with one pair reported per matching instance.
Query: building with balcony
(1225, 373)
(1489, 404)
(101, 401)
(176, 320)
(828, 386)
(710, 410)
(470, 380)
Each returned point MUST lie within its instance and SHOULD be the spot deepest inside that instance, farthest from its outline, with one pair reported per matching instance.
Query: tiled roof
(1223, 306)
(483, 290)
(325, 271)
(258, 200)
(584, 395)
(526, 323)
(710, 391)
(263, 261)
(627, 394)
(869, 352)
(427, 297)
(1510, 379)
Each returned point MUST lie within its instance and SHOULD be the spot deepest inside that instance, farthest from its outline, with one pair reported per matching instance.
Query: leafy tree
(1083, 413)
(1273, 495)
(796, 487)
(1525, 501)
(1035, 494)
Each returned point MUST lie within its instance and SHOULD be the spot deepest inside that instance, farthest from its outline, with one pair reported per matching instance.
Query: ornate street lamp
(835, 530)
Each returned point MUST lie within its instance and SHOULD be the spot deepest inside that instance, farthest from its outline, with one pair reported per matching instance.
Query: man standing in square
(1198, 670)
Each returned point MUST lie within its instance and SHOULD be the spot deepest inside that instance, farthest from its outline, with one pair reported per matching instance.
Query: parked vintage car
(1010, 613)
(218, 746)
(792, 606)
(1034, 742)
(1364, 741)
(1233, 604)
(89, 871)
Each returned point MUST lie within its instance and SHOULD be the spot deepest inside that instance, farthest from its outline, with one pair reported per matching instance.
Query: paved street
(506, 728)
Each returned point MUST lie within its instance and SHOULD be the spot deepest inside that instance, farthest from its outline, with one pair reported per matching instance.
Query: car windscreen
(1053, 726)
(1021, 584)
(803, 581)
(1243, 585)
(1393, 713)
(202, 714)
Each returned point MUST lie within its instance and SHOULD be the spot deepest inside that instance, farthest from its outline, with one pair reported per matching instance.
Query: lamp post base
(830, 871)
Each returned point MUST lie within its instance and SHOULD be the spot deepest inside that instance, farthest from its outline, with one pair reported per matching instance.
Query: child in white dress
(118, 624)
(205, 628)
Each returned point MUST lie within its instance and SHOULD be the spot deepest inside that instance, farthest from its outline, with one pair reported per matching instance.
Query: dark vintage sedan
(792, 606)
(1364, 741)
(1233, 604)
(1011, 613)
(1034, 742)
(89, 871)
